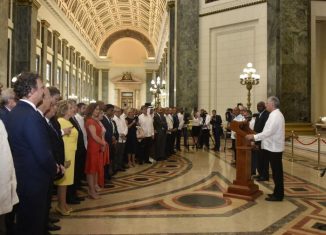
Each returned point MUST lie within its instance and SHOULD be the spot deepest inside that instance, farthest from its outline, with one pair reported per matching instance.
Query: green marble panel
(289, 57)
(187, 39)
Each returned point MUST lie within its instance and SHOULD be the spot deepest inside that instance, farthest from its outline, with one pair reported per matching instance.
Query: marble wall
(289, 57)
(187, 38)
(4, 42)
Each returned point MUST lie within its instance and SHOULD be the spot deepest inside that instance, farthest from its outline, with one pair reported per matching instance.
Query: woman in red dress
(95, 149)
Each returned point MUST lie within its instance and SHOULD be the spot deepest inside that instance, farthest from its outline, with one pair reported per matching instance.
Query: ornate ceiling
(96, 20)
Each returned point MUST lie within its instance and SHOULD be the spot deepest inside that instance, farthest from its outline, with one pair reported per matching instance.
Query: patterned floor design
(193, 202)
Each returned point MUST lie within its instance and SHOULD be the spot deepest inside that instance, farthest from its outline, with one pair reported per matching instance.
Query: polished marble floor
(184, 195)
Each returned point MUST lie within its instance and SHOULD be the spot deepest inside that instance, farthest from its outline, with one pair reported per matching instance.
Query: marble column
(44, 51)
(78, 81)
(4, 42)
(117, 100)
(100, 85)
(71, 78)
(82, 77)
(186, 64)
(64, 79)
(87, 90)
(149, 76)
(289, 57)
(24, 41)
(105, 85)
(91, 77)
(171, 54)
(56, 36)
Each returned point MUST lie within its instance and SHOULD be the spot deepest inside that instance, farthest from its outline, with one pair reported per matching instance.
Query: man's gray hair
(6, 94)
(275, 101)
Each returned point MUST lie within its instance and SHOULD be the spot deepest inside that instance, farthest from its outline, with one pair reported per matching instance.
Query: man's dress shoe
(273, 199)
(53, 227)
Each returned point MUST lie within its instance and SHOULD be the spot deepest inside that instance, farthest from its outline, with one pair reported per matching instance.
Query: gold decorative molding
(236, 4)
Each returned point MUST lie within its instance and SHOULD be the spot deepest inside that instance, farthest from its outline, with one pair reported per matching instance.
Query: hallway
(183, 195)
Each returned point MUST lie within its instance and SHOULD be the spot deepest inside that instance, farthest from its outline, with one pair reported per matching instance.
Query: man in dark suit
(174, 130)
(34, 163)
(216, 122)
(160, 128)
(111, 136)
(259, 158)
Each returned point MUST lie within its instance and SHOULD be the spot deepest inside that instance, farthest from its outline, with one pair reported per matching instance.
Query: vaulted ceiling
(96, 20)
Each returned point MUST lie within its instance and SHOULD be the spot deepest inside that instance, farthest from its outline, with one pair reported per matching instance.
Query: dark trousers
(217, 139)
(177, 144)
(9, 220)
(254, 161)
(205, 137)
(169, 144)
(119, 156)
(160, 141)
(263, 163)
(234, 148)
(275, 159)
(108, 169)
(32, 212)
(185, 136)
(145, 149)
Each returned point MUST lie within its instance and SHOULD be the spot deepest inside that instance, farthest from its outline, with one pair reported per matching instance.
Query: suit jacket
(4, 114)
(57, 144)
(175, 121)
(80, 141)
(260, 122)
(159, 123)
(109, 130)
(31, 149)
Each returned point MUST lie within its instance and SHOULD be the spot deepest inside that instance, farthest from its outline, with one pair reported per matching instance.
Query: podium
(243, 186)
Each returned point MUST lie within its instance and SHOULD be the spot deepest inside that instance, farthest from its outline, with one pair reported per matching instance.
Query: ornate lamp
(156, 89)
(249, 78)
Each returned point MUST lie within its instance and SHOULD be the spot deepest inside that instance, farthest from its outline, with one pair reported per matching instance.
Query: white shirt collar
(30, 103)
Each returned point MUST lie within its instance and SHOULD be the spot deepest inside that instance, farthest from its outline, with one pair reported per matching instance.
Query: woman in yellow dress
(66, 111)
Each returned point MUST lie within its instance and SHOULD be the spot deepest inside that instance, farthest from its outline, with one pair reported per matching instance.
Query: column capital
(82, 57)
(33, 3)
(77, 53)
(45, 23)
(56, 33)
(170, 4)
(72, 48)
(149, 70)
(87, 62)
(64, 42)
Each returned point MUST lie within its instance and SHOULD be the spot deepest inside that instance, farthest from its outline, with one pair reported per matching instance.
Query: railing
(317, 139)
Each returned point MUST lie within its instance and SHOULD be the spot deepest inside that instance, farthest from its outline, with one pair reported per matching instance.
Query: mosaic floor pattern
(184, 195)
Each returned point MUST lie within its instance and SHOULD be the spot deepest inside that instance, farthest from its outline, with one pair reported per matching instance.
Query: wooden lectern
(243, 186)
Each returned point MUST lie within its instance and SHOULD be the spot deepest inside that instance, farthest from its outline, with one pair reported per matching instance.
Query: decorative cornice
(236, 4)
(34, 3)
(45, 23)
(56, 33)
(170, 4)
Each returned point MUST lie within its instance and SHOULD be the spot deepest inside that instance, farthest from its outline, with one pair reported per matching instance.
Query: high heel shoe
(62, 212)
(98, 188)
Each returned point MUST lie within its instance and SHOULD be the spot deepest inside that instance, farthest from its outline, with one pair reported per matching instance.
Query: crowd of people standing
(54, 143)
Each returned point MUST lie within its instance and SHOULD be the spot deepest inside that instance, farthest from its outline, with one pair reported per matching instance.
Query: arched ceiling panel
(96, 20)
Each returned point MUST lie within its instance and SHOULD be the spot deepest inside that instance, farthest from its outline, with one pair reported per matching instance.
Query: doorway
(127, 100)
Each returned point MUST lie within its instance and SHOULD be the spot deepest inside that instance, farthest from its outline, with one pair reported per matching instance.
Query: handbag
(140, 133)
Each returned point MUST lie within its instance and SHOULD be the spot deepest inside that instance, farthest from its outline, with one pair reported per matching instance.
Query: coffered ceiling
(96, 20)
